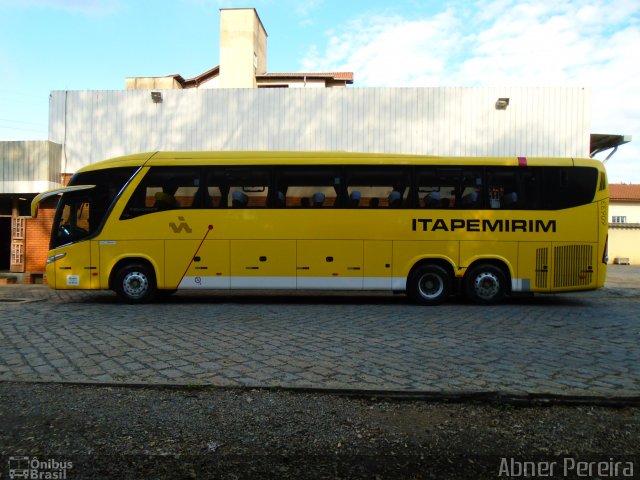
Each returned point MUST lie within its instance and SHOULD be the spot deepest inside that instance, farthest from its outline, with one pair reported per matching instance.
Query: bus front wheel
(428, 285)
(485, 284)
(135, 283)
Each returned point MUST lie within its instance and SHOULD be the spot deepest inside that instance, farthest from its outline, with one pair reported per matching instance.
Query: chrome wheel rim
(430, 286)
(487, 285)
(135, 284)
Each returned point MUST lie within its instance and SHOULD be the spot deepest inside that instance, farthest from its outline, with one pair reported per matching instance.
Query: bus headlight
(55, 258)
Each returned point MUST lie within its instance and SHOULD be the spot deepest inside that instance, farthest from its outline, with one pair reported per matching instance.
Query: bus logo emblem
(180, 227)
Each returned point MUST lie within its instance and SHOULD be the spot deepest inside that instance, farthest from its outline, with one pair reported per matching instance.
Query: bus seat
(509, 199)
(395, 199)
(469, 200)
(239, 200)
(355, 198)
(318, 199)
(432, 200)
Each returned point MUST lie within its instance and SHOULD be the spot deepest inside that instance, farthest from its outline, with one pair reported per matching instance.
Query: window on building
(619, 219)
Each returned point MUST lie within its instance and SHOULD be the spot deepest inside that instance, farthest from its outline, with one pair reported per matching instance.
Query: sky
(50, 45)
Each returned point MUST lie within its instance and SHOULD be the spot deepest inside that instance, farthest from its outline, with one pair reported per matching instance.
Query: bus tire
(485, 284)
(136, 283)
(428, 285)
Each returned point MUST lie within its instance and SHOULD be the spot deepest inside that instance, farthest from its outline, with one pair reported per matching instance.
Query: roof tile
(624, 192)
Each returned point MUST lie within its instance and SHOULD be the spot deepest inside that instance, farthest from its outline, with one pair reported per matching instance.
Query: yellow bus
(432, 227)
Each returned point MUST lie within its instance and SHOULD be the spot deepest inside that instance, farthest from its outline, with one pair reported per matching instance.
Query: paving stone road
(585, 344)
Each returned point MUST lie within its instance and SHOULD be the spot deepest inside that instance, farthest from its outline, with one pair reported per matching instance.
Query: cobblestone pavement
(585, 344)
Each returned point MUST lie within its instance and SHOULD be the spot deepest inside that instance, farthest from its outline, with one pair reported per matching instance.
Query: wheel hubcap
(431, 286)
(487, 285)
(135, 284)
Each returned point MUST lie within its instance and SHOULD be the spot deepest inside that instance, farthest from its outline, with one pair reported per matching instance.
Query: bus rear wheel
(428, 285)
(135, 283)
(485, 284)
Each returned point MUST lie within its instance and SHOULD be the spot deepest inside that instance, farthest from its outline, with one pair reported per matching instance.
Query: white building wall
(29, 166)
(624, 237)
(631, 210)
(623, 244)
(547, 122)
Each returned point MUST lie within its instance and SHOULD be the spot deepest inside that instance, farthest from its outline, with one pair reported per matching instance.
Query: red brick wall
(38, 234)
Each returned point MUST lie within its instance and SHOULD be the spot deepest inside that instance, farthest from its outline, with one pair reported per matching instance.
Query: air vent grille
(573, 265)
(542, 267)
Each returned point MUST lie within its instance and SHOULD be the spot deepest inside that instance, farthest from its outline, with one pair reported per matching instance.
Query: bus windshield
(80, 214)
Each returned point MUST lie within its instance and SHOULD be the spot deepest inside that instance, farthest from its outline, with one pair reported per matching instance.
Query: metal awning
(601, 142)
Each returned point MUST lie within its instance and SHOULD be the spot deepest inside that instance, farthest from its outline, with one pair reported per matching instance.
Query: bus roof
(173, 158)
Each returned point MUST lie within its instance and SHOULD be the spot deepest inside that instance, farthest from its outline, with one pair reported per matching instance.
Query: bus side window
(566, 187)
(502, 188)
(436, 189)
(216, 189)
(583, 183)
(529, 192)
(245, 187)
(370, 186)
(308, 187)
(165, 188)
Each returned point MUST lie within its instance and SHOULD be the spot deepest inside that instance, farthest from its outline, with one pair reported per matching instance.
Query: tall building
(243, 62)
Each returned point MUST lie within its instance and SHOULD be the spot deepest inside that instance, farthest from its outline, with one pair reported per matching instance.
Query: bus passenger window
(395, 199)
(529, 193)
(309, 187)
(245, 187)
(503, 187)
(510, 200)
(449, 187)
(165, 188)
(436, 191)
(203, 198)
(165, 199)
(377, 187)
(239, 199)
(566, 187)
(470, 198)
(432, 200)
